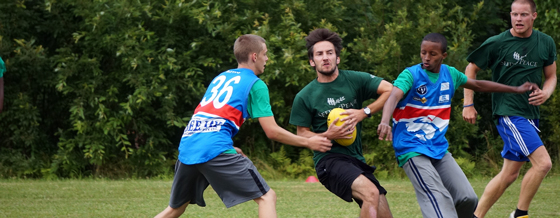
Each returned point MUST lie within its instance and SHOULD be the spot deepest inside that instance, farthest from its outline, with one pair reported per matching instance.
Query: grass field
(146, 198)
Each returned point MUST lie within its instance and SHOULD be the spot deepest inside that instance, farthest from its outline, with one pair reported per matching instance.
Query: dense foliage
(105, 87)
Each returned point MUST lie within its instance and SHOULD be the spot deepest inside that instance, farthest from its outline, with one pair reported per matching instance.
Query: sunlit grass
(146, 198)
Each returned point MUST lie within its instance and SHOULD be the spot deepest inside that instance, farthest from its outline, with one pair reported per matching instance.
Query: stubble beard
(328, 73)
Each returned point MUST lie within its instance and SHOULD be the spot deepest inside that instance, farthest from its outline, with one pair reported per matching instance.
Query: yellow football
(335, 113)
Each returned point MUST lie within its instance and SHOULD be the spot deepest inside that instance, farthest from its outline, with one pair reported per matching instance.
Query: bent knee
(270, 196)
(508, 177)
(371, 195)
(471, 199)
(543, 167)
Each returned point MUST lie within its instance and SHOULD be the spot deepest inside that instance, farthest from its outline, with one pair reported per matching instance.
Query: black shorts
(337, 172)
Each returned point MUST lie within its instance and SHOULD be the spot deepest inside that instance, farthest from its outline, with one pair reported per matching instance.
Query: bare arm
(333, 132)
(538, 96)
(489, 86)
(384, 128)
(356, 116)
(279, 134)
(469, 113)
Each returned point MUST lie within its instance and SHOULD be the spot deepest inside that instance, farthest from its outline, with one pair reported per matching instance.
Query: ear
(312, 63)
(534, 15)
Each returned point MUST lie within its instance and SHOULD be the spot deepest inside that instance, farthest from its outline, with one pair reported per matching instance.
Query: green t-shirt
(314, 102)
(405, 81)
(2, 68)
(258, 104)
(514, 61)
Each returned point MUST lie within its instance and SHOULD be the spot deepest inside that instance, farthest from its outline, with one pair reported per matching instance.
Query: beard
(327, 73)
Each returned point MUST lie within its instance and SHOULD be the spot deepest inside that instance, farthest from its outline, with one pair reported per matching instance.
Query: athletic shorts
(520, 135)
(337, 172)
(232, 176)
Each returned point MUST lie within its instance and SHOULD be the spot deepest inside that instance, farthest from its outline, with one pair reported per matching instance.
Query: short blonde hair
(529, 2)
(246, 45)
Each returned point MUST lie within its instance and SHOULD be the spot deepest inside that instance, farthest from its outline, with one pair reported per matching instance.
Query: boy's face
(260, 63)
(324, 60)
(432, 56)
(522, 18)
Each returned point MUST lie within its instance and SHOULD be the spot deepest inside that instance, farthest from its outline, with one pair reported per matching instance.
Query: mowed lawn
(146, 198)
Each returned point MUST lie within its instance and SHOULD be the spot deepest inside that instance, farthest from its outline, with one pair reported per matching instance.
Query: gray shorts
(232, 176)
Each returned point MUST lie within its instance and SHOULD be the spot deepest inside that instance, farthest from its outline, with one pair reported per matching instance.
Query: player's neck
(526, 34)
(247, 66)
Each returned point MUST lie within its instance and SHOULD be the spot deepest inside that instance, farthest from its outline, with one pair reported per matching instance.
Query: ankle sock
(519, 213)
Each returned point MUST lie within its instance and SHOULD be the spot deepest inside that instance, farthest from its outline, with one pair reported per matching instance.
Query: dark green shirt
(314, 102)
(514, 61)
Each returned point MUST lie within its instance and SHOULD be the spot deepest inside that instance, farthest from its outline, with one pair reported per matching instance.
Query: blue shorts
(520, 135)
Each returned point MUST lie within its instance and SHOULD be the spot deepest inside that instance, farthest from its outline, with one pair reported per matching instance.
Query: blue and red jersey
(218, 117)
(420, 120)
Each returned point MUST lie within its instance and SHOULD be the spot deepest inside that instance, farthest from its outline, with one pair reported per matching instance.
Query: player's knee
(470, 200)
(269, 197)
(544, 166)
(371, 195)
(508, 177)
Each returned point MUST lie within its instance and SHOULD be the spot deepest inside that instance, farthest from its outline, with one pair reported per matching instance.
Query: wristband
(468, 105)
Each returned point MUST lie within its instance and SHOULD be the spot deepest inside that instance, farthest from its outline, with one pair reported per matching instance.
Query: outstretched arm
(384, 128)
(489, 86)
(279, 134)
(538, 96)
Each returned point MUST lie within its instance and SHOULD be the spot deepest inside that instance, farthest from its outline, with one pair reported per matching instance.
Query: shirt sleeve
(552, 56)
(482, 56)
(404, 81)
(258, 104)
(458, 77)
(371, 84)
(301, 114)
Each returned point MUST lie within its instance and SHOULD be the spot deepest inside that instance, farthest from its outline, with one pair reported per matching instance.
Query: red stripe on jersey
(227, 112)
(411, 112)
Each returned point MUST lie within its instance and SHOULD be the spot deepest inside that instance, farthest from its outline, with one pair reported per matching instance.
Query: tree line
(106, 87)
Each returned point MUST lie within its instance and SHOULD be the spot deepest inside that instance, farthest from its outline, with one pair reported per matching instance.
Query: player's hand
(527, 86)
(469, 114)
(343, 131)
(319, 143)
(384, 132)
(354, 116)
(538, 97)
(239, 151)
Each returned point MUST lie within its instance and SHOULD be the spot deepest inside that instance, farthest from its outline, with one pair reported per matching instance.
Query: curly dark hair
(319, 35)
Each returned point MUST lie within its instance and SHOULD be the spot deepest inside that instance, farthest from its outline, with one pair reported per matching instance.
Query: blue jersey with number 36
(218, 117)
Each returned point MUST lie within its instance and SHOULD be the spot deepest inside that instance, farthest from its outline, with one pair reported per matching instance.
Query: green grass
(146, 198)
